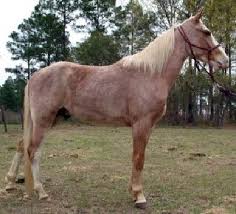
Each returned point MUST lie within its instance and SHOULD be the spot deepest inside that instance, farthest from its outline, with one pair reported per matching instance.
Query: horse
(132, 92)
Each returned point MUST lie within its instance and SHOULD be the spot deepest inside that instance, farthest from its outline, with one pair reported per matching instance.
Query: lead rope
(222, 88)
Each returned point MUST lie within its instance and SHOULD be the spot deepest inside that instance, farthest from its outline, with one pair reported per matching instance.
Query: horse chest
(160, 112)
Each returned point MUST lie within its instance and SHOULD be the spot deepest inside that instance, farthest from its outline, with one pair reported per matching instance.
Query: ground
(86, 169)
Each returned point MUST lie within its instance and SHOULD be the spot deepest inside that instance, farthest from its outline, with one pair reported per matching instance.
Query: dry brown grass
(86, 170)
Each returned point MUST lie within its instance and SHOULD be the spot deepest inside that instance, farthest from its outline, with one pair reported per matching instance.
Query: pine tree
(39, 41)
(134, 28)
(98, 14)
(98, 49)
(8, 95)
(22, 44)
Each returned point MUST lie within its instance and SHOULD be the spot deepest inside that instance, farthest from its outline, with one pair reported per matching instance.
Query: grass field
(86, 169)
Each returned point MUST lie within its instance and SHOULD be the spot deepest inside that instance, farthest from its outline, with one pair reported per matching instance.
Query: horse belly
(101, 111)
(101, 97)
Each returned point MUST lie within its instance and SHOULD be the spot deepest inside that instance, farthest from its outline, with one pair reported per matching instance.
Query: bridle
(191, 46)
(227, 92)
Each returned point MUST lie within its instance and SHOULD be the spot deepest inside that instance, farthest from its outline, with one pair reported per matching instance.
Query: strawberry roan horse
(133, 92)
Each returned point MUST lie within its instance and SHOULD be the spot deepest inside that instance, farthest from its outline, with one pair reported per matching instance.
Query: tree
(98, 49)
(64, 10)
(22, 44)
(49, 34)
(39, 41)
(224, 25)
(134, 27)
(98, 14)
(168, 12)
(8, 95)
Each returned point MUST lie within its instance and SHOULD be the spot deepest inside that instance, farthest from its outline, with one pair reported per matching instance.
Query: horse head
(201, 44)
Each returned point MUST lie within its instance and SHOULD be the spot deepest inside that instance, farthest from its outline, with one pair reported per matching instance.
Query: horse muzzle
(219, 64)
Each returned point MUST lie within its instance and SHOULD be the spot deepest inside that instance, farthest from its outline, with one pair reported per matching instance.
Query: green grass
(176, 180)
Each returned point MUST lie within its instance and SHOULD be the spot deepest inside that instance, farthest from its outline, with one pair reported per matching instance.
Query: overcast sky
(12, 13)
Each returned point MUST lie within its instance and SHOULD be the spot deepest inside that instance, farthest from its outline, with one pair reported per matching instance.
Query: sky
(12, 13)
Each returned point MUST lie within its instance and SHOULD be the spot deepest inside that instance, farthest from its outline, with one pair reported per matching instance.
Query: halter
(223, 89)
(191, 45)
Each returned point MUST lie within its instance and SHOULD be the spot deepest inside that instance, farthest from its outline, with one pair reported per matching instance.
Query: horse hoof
(10, 187)
(20, 180)
(141, 205)
(26, 197)
(43, 197)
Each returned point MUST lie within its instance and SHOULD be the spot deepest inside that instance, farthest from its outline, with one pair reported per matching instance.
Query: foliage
(134, 28)
(98, 49)
(116, 31)
(98, 14)
(11, 94)
(49, 33)
(64, 10)
(22, 44)
(38, 40)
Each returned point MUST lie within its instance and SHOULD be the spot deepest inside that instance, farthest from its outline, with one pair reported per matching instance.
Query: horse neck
(175, 62)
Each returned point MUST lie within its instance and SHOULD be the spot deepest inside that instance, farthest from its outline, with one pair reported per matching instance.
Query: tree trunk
(211, 103)
(28, 69)
(190, 97)
(64, 33)
(132, 31)
(21, 119)
(190, 107)
(3, 118)
(220, 111)
(48, 59)
(200, 105)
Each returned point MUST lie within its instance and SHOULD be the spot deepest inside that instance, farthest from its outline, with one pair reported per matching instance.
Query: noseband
(223, 89)
(191, 45)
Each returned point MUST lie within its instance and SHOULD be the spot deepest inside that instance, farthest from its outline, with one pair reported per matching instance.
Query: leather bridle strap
(191, 45)
(223, 89)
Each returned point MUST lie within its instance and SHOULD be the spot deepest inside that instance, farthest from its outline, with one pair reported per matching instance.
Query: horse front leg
(12, 173)
(141, 132)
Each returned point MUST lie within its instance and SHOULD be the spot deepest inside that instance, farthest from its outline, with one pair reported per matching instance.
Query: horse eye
(207, 32)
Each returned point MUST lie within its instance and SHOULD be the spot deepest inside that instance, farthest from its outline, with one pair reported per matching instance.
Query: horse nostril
(220, 64)
(223, 64)
(226, 63)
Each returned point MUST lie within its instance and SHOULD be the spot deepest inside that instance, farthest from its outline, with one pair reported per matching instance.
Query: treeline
(107, 32)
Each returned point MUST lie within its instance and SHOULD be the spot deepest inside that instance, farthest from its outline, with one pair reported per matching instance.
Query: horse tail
(27, 141)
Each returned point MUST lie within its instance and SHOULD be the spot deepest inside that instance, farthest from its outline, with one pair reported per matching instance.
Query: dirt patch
(216, 210)
(75, 168)
(230, 199)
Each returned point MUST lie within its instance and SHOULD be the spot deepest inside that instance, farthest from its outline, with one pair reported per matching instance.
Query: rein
(223, 89)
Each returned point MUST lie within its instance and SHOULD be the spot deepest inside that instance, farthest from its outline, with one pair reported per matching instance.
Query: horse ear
(199, 14)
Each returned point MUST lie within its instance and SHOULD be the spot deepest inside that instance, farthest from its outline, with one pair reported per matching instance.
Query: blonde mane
(154, 56)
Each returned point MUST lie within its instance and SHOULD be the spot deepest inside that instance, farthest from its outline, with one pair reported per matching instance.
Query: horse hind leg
(34, 152)
(12, 173)
(38, 187)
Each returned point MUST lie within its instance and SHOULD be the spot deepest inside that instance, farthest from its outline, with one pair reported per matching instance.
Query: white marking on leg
(35, 170)
(141, 198)
(137, 188)
(11, 175)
